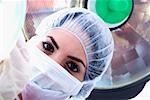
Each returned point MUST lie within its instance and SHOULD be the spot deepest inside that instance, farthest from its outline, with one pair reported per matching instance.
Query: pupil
(49, 47)
(73, 67)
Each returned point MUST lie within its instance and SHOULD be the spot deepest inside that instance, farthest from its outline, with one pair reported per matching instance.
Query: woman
(71, 51)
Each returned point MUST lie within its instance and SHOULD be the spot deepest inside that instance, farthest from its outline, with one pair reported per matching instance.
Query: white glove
(14, 66)
(12, 15)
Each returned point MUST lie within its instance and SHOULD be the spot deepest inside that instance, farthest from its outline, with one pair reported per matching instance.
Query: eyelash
(72, 66)
(48, 47)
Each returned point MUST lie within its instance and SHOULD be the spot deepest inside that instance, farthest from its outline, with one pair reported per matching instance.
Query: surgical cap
(92, 33)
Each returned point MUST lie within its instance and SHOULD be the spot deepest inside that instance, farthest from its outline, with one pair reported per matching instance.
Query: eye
(48, 46)
(72, 66)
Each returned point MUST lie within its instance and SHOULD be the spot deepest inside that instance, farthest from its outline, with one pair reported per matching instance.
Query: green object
(113, 11)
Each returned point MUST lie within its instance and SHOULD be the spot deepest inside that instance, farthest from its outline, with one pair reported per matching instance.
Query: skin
(63, 47)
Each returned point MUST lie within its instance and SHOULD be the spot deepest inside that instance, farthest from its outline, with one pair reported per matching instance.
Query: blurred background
(131, 59)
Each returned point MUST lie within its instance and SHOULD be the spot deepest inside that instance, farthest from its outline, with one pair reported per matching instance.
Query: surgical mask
(48, 74)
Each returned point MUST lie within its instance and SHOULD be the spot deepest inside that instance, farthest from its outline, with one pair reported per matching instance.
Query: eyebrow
(77, 59)
(54, 42)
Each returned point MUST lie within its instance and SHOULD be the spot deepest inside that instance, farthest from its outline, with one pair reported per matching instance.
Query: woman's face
(65, 49)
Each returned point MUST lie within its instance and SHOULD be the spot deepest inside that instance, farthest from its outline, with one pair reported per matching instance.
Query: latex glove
(12, 15)
(14, 68)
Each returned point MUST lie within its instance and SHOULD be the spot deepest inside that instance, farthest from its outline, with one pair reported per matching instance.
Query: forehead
(67, 41)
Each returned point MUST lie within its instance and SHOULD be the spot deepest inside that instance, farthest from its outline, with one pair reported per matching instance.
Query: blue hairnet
(94, 36)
